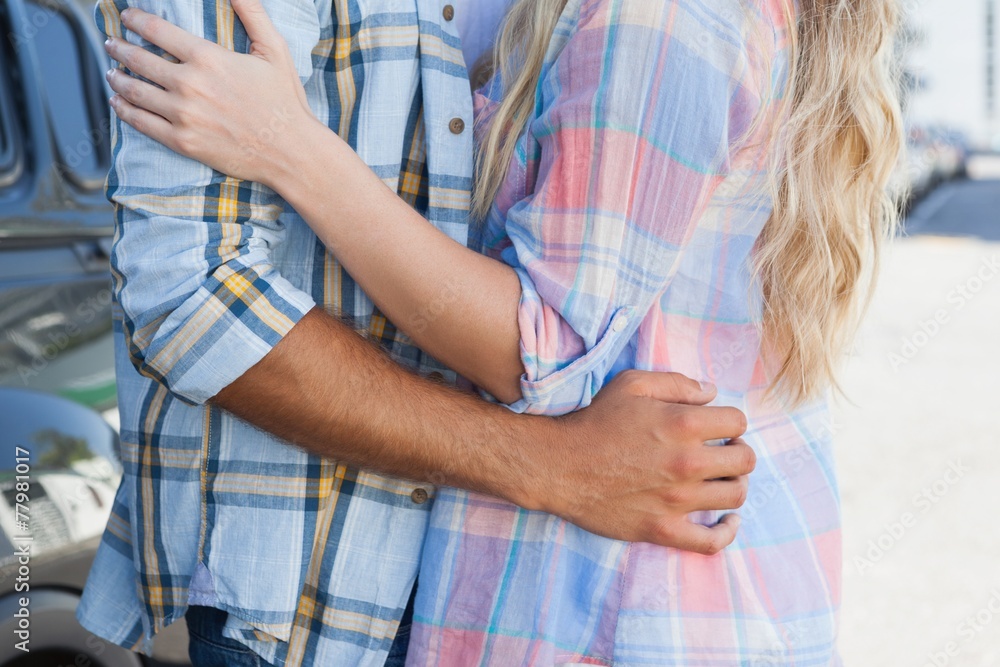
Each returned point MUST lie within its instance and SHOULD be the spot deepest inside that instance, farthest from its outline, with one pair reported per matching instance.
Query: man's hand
(630, 467)
(636, 463)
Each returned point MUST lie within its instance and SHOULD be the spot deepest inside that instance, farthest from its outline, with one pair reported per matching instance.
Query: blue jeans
(207, 647)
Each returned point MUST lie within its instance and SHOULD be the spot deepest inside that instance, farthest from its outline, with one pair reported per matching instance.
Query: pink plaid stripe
(630, 216)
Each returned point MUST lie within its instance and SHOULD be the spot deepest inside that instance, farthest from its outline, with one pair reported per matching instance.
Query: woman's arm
(457, 305)
(638, 136)
(644, 114)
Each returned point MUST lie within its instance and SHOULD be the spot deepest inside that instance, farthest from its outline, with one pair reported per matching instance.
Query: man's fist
(634, 464)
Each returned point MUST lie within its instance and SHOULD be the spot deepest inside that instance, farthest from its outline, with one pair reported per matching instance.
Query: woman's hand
(246, 116)
(237, 113)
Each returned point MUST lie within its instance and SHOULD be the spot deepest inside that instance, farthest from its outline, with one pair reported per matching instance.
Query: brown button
(436, 377)
(419, 496)
(457, 126)
(449, 12)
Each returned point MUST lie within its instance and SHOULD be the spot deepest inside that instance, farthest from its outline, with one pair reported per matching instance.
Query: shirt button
(619, 324)
(449, 12)
(419, 496)
(457, 126)
(436, 377)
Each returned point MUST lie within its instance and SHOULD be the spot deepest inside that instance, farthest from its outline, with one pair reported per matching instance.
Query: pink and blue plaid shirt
(630, 214)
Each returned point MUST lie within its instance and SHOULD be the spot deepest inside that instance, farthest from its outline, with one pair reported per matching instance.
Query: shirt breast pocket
(298, 21)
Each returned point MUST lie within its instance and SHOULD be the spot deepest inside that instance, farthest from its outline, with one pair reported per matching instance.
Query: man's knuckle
(680, 467)
(676, 495)
(663, 532)
(694, 468)
(631, 379)
(686, 423)
(712, 546)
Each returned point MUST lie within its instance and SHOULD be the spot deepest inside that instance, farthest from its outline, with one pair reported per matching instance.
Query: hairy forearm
(457, 305)
(335, 394)
(630, 467)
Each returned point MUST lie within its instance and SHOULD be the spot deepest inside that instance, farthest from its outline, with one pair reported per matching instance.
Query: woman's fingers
(140, 94)
(141, 62)
(148, 123)
(258, 25)
(180, 43)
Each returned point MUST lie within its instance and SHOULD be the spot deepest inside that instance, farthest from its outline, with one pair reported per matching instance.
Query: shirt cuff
(243, 313)
(573, 387)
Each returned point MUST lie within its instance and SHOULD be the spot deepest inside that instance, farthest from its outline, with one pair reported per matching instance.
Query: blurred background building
(956, 57)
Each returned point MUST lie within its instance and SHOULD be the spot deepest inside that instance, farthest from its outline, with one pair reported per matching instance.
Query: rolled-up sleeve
(639, 119)
(202, 301)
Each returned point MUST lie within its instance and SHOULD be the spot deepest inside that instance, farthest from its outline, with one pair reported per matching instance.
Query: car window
(75, 101)
(7, 154)
(8, 122)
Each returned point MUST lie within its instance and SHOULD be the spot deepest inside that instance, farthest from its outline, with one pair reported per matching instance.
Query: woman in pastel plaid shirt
(695, 186)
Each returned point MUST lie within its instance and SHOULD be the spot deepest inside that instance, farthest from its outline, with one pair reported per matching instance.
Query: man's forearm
(631, 466)
(331, 392)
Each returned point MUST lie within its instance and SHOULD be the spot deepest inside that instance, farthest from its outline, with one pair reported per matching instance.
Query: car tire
(55, 637)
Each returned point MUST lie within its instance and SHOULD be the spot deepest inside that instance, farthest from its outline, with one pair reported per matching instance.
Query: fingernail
(708, 387)
(107, 43)
(113, 101)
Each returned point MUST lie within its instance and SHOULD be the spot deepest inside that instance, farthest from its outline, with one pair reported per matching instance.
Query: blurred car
(60, 465)
(933, 155)
(950, 152)
(57, 483)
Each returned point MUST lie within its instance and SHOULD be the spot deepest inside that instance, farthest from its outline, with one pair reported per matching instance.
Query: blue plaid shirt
(313, 560)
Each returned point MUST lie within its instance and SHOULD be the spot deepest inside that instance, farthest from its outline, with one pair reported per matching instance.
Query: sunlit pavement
(919, 451)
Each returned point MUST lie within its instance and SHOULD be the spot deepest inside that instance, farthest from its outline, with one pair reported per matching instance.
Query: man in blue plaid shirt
(237, 334)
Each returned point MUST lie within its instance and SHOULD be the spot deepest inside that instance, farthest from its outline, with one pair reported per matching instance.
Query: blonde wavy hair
(840, 139)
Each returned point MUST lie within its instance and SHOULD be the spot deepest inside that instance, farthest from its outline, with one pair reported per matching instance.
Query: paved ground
(919, 451)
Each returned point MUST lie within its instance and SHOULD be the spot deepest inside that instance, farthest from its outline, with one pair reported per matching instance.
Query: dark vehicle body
(58, 416)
